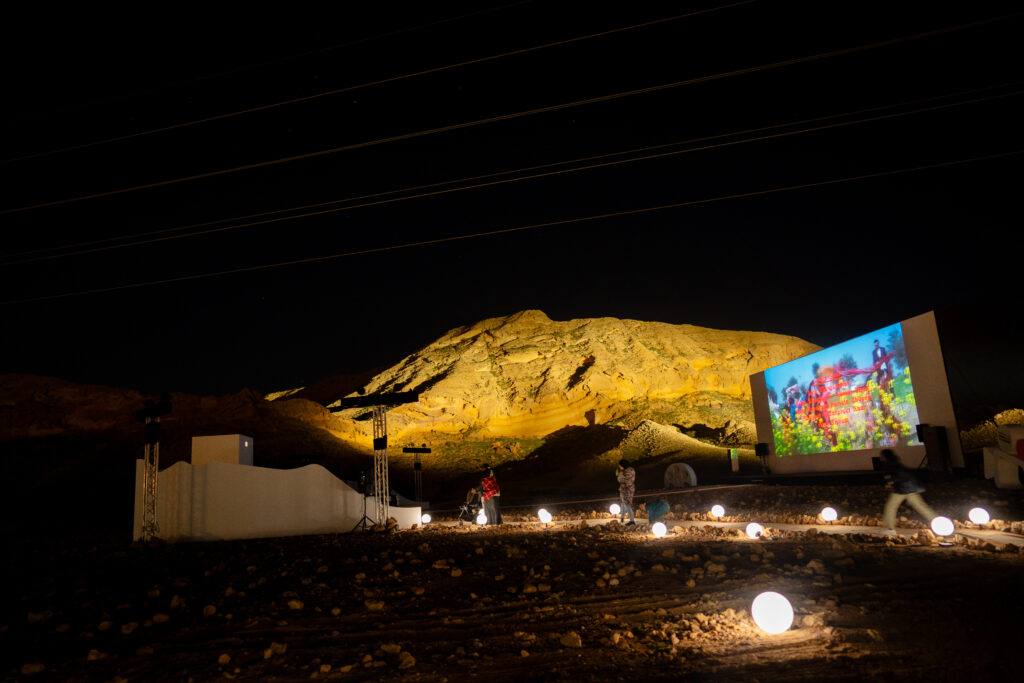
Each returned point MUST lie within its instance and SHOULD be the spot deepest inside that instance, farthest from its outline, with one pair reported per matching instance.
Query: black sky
(823, 263)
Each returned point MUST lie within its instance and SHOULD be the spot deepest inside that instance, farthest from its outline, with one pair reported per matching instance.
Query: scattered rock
(571, 639)
(275, 649)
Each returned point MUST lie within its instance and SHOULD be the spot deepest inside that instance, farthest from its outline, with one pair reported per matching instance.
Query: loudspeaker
(761, 450)
(920, 432)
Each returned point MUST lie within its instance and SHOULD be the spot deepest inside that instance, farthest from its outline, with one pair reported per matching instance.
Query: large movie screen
(853, 396)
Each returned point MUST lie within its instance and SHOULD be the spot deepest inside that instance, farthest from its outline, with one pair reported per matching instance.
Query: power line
(383, 81)
(420, 188)
(522, 228)
(507, 117)
(259, 65)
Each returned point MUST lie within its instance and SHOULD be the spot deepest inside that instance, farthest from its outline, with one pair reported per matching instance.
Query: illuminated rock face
(525, 375)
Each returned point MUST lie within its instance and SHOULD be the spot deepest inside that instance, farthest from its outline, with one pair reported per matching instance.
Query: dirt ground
(525, 602)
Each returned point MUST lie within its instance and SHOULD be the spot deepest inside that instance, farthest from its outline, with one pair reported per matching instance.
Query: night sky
(824, 263)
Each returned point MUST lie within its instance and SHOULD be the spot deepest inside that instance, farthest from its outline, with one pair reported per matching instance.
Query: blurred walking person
(904, 486)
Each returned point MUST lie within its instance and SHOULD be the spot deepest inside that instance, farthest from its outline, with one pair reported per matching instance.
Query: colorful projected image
(853, 396)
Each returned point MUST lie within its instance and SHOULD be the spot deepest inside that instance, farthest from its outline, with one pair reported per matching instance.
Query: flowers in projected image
(852, 396)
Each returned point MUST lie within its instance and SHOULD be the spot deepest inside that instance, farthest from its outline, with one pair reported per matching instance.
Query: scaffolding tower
(379, 403)
(150, 415)
(381, 489)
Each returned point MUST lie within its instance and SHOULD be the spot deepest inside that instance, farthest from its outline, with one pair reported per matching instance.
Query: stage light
(718, 511)
(481, 518)
(425, 519)
(772, 612)
(755, 530)
(979, 515)
(829, 514)
(614, 508)
(659, 529)
(544, 515)
(942, 526)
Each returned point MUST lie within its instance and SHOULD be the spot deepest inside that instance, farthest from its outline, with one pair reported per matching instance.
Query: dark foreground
(513, 603)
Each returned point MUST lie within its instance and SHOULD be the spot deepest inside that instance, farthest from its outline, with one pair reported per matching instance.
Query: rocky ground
(527, 602)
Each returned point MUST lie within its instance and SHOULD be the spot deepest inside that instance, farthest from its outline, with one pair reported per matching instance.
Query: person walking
(489, 495)
(626, 477)
(903, 486)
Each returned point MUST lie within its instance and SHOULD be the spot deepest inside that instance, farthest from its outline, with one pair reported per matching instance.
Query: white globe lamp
(979, 516)
(942, 526)
(772, 612)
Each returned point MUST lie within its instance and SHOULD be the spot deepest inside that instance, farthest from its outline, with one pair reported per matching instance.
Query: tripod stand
(365, 522)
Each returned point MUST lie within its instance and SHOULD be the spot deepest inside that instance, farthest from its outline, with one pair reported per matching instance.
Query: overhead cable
(378, 199)
(508, 117)
(521, 228)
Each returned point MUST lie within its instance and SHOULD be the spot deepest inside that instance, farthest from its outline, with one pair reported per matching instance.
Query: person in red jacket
(490, 495)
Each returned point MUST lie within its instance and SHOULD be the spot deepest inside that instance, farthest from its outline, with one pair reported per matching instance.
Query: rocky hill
(555, 402)
(511, 381)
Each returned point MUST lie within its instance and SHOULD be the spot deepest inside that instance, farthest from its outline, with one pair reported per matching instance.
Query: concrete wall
(220, 501)
(230, 448)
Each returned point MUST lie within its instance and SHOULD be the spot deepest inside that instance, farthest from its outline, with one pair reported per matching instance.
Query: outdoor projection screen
(836, 408)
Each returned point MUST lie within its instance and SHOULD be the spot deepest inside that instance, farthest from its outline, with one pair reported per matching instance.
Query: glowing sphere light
(481, 518)
(755, 530)
(718, 511)
(942, 526)
(425, 519)
(544, 515)
(979, 516)
(658, 529)
(772, 612)
(829, 514)
(614, 508)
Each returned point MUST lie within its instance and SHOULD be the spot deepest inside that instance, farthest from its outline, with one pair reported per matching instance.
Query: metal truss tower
(150, 471)
(381, 489)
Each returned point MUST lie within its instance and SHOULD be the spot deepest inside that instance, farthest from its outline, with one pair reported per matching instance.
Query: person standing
(903, 486)
(626, 477)
(489, 495)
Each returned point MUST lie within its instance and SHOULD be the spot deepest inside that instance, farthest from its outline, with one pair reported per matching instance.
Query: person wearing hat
(489, 495)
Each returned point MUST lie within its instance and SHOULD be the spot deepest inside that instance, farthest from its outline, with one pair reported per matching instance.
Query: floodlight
(658, 529)
(614, 508)
(544, 515)
(829, 514)
(425, 519)
(718, 511)
(979, 515)
(942, 526)
(772, 612)
(755, 530)
(481, 518)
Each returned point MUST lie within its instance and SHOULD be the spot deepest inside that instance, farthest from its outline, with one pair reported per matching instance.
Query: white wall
(220, 501)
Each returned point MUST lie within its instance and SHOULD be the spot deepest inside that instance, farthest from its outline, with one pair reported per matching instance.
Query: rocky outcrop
(526, 376)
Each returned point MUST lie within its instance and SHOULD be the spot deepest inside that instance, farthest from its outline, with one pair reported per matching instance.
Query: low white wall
(220, 501)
